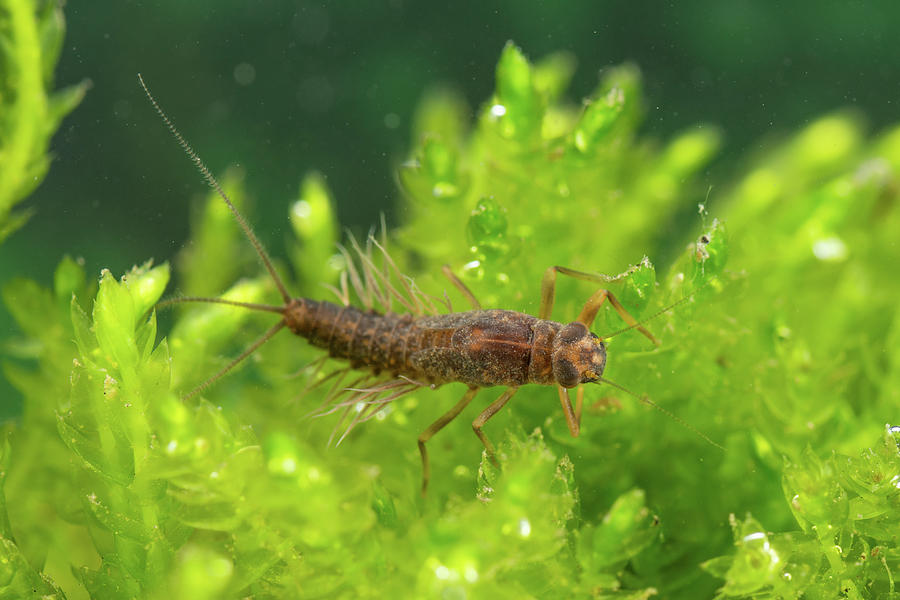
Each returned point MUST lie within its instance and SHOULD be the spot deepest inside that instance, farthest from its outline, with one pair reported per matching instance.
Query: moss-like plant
(786, 355)
(31, 36)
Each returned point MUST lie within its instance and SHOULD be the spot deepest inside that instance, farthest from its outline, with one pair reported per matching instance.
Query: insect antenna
(254, 241)
(214, 184)
(249, 305)
(236, 360)
(666, 412)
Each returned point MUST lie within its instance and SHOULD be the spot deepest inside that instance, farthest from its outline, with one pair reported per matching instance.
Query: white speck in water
(830, 249)
(524, 528)
(244, 73)
(766, 546)
(471, 574)
(301, 209)
(498, 110)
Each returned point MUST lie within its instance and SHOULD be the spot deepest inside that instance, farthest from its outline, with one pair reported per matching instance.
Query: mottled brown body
(481, 348)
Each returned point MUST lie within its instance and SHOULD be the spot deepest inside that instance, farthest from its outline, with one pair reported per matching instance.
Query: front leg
(587, 316)
(592, 306)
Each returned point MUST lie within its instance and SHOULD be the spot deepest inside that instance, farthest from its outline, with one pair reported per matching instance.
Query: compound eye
(565, 373)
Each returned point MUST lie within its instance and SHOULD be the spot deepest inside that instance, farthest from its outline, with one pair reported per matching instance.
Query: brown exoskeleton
(402, 352)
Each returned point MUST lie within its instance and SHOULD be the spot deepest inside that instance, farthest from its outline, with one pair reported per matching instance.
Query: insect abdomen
(364, 338)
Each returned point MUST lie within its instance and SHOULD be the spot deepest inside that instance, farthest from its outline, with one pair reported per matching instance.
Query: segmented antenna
(668, 413)
(250, 305)
(214, 184)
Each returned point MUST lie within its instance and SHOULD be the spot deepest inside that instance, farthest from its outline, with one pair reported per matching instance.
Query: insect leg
(458, 284)
(592, 306)
(486, 414)
(573, 417)
(437, 426)
(589, 312)
(235, 361)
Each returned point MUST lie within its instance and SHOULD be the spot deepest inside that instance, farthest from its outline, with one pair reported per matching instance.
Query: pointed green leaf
(114, 320)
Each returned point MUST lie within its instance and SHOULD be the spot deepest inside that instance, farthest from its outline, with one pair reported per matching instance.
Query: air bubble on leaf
(281, 454)
(524, 528)
(442, 189)
(516, 107)
(830, 249)
(893, 433)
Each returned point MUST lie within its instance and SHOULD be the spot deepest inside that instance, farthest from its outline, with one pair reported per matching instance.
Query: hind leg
(592, 306)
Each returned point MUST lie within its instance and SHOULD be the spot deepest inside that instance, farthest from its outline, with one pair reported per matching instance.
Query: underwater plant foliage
(31, 36)
(783, 349)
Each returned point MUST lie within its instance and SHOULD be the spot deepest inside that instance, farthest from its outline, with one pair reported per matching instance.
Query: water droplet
(301, 209)
(524, 528)
(471, 574)
(244, 73)
(288, 465)
(830, 249)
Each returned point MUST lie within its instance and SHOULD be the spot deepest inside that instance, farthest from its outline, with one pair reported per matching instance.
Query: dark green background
(327, 74)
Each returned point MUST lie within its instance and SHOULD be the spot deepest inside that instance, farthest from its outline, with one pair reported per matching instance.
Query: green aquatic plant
(31, 36)
(783, 349)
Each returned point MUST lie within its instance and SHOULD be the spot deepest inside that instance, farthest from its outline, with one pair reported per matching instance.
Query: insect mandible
(422, 348)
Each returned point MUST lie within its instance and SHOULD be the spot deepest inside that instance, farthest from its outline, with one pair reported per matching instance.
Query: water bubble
(244, 73)
(471, 574)
(830, 249)
(524, 528)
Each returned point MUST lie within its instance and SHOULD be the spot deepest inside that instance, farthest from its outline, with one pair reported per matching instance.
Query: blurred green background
(284, 87)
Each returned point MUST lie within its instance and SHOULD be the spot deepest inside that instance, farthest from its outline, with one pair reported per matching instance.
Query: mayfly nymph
(402, 352)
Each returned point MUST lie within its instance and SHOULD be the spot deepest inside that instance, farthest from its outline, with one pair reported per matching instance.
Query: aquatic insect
(402, 352)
